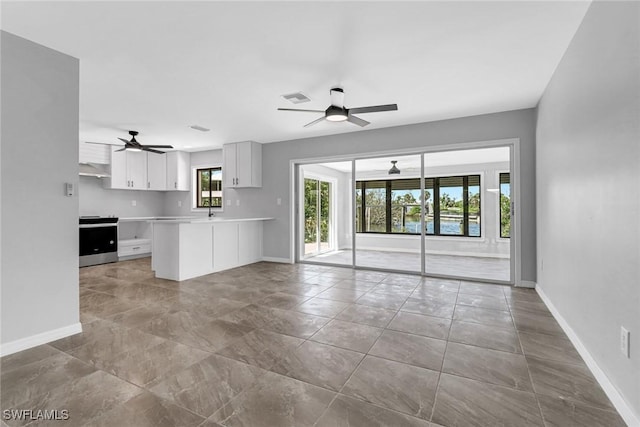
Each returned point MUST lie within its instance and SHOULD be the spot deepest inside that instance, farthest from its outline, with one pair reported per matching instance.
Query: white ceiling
(159, 67)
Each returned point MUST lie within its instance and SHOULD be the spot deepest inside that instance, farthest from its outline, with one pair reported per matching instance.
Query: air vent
(296, 98)
(200, 128)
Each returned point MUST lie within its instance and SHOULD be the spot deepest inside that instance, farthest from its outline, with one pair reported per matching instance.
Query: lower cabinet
(133, 247)
(183, 251)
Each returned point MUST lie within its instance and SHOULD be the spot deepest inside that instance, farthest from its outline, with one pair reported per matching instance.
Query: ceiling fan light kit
(337, 112)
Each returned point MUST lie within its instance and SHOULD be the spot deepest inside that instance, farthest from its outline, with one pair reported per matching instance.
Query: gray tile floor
(302, 345)
(447, 265)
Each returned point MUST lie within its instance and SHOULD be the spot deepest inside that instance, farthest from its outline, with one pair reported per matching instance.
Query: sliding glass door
(468, 213)
(388, 209)
(443, 214)
(325, 213)
(317, 220)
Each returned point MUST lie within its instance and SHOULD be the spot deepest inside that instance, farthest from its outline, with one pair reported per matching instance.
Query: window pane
(451, 206)
(325, 190)
(216, 187)
(405, 210)
(203, 187)
(359, 207)
(428, 206)
(474, 209)
(505, 205)
(310, 210)
(375, 212)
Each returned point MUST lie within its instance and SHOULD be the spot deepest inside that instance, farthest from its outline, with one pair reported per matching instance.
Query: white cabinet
(128, 170)
(242, 164)
(225, 246)
(184, 250)
(178, 174)
(134, 238)
(156, 171)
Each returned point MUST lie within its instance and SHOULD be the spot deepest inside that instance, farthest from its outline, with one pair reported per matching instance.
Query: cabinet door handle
(175, 185)
(237, 181)
(128, 183)
(148, 184)
(135, 247)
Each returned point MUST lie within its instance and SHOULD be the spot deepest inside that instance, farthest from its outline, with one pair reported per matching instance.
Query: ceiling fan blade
(316, 121)
(122, 149)
(304, 111)
(337, 97)
(102, 143)
(151, 150)
(157, 146)
(357, 121)
(374, 109)
(124, 140)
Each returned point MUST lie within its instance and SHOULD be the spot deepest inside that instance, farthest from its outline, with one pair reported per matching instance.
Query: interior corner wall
(40, 114)
(276, 159)
(588, 190)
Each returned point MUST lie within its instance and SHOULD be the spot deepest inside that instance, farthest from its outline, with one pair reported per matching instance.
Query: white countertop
(151, 218)
(197, 220)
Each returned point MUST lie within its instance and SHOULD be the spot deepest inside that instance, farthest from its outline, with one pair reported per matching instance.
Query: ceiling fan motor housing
(336, 114)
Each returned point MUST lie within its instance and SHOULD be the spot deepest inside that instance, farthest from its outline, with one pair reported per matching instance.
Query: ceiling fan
(337, 112)
(134, 145)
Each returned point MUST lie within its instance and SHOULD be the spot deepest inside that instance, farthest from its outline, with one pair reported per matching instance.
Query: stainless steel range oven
(98, 240)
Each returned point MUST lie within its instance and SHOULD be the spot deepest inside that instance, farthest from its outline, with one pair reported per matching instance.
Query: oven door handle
(103, 225)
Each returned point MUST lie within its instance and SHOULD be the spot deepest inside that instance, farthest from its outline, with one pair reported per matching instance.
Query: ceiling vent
(296, 98)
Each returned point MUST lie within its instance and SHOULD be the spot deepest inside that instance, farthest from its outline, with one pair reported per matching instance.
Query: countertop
(151, 218)
(198, 220)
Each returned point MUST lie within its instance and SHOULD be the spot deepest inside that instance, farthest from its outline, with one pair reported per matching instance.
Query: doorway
(439, 212)
(324, 212)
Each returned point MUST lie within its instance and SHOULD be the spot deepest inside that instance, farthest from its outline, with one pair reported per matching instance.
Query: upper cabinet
(156, 171)
(242, 164)
(141, 170)
(128, 170)
(178, 174)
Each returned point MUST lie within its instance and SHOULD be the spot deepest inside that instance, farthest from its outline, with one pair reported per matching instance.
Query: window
(505, 205)
(209, 187)
(452, 206)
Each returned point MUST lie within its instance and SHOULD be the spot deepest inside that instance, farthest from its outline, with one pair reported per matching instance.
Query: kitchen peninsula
(188, 248)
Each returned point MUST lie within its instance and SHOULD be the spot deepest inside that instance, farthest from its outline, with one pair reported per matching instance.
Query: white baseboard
(527, 284)
(610, 390)
(39, 339)
(276, 259)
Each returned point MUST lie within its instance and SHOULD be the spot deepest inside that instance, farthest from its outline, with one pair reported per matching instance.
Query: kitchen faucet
(210, 212)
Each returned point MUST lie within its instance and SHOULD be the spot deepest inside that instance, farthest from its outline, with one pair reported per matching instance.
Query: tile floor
(446, 265)
(301, 345)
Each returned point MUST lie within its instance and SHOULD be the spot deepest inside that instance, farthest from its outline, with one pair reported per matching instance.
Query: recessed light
(200, 128)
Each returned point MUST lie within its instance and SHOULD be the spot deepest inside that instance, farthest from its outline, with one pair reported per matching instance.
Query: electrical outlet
(133, 203)
(237, 202)
(228, 202)
(179, 203)
(278, 201)
(624, 342)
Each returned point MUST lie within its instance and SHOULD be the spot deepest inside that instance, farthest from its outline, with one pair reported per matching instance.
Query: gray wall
(276, 157)
(588, 158)
(95, 200)
(39, 155)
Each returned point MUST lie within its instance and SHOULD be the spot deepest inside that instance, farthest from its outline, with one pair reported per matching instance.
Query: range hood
(94, 169)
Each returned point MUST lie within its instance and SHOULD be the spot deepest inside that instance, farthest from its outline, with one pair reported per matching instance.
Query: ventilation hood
(94, 169)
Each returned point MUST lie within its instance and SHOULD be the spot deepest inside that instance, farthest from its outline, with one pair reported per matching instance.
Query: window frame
(361, 185)
(195, 172)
